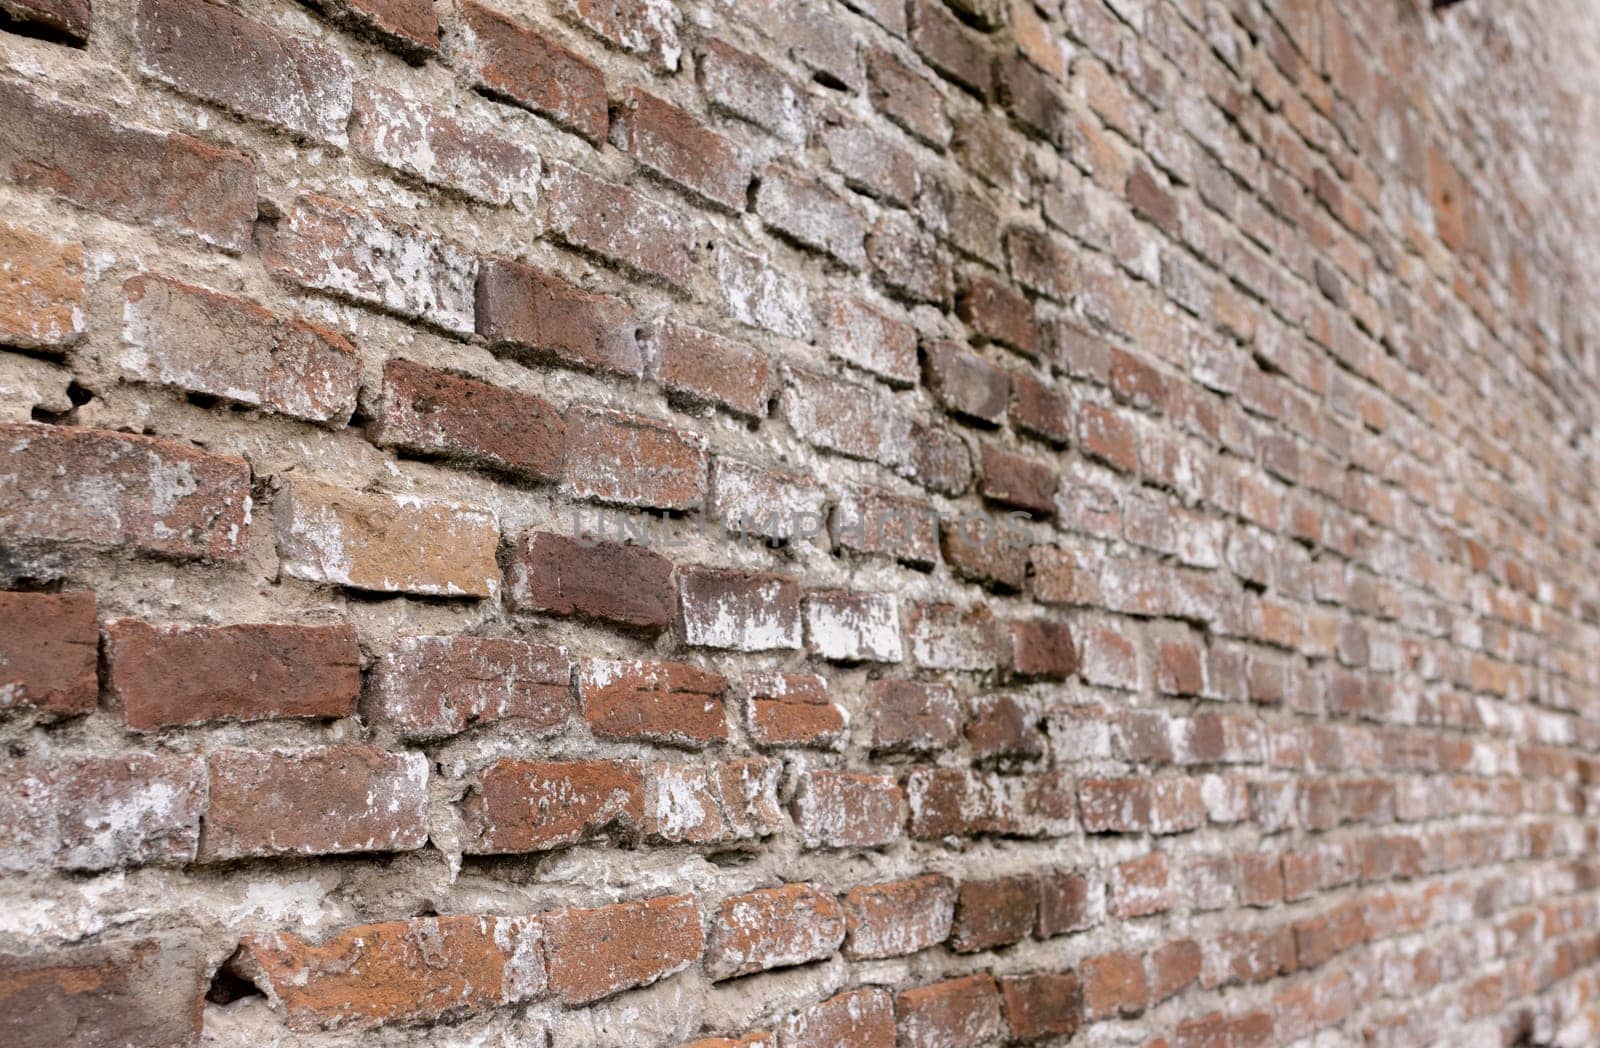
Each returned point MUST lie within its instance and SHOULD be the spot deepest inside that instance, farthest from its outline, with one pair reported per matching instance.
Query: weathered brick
(811, 214)
(410, 27)
(1141, 805)
(410, 971)
(1107, 435)
(853, 627)
(1142, 886)
(144, 991)
(672, 143)
(792, 709)
(1040, 1006)
(70, 19)
(1151, 201)
(897, 918)
(248, 68)
(1037, 410)
(1005, 726)
(117, 491)
(906, 97)
(1041, 264)
(913, 715)
(514, 62)
(1068, 902)
(907, 260)
(195, 339)
(238, 673)
(759, 1039)
(760, 295)
(432, 687)
(49, 645)
(747, 87)
(592, 954)
(386, 543)
(739, 610)
(527, 311)
(848, 418)
(435, 413)
(368, 258)
(665, 702)
(442, 148)
(965, 383)
(702, 367)
(835, 809)
(994, 913)
(867, 520)
(721, 803)
(43, 301)
(617, 224)
(1114, 984)
(169, 181)
(956, 1013)
(870, 161)
(1014, 479)
(527, 805)
(860, 1018)
(317, 801)
(778, 505)
(986, 548)
(647, 28)
(773, 928)
(946, 637)
(559, 575)
(628, 460)
(1042, 648)
(870, 339)
(99, 813)
(953, 802)
(953, 49)
(997, 312)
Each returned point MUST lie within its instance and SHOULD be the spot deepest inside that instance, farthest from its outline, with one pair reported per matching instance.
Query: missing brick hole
(50, 34)
(230, 985)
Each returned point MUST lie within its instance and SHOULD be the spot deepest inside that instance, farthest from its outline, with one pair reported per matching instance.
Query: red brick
(410, 971)
(1140, 887)
(1006, 726)
(994, 913)
(665, 702)
(907, 260)
(191, 338)
(1016, 480)
(117, 491)
(647, 28)
(836, 809)
(511, 61)
(248, 68)
(386, 544)
(169, 181)
(145, 991)
(773, 928)
(434, 687)
(702, 367)
(100, 813)
(858, 1018)
(527, 311)
(870, 339)
(1042, 648)
(1141, 805)
(1151, 201)
(1107, 435)
(898, 918)
(528, 805)
(1244, 957)
(774, 504)
(559, 575)
(1039, 411)
(852, 419)
(441, 148)
(372, 260)
(760, 1039)
(410, 27)
(966, 384)
(946, 637)
(956, 1013)
(1173, 968)
(49, 646)
(629, 460)
(595, 953)
(811, 214)
(958, 52)
(1113, 984)
(238, 673)
(739, 610)
(318, 801)
(1040, 1006)
(954, 802)
(1068, 902)
(435, 413)
(70, 19)
(44, 304)
(747, 87)
(914, 716)
(846, 626)
(996, 312)
(867, 520)
(619, 225)
(1041, 264)
(869, 161)
(792, 709)
(719, 803)
(986, 548)
(907, 98)
(679, 148)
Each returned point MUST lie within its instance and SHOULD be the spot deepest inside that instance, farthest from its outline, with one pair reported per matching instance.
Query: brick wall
(798, 523)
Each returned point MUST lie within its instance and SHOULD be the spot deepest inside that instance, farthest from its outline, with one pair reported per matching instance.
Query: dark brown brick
(559, 575)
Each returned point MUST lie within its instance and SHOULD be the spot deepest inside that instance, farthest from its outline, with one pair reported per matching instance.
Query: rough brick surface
(799, 523)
